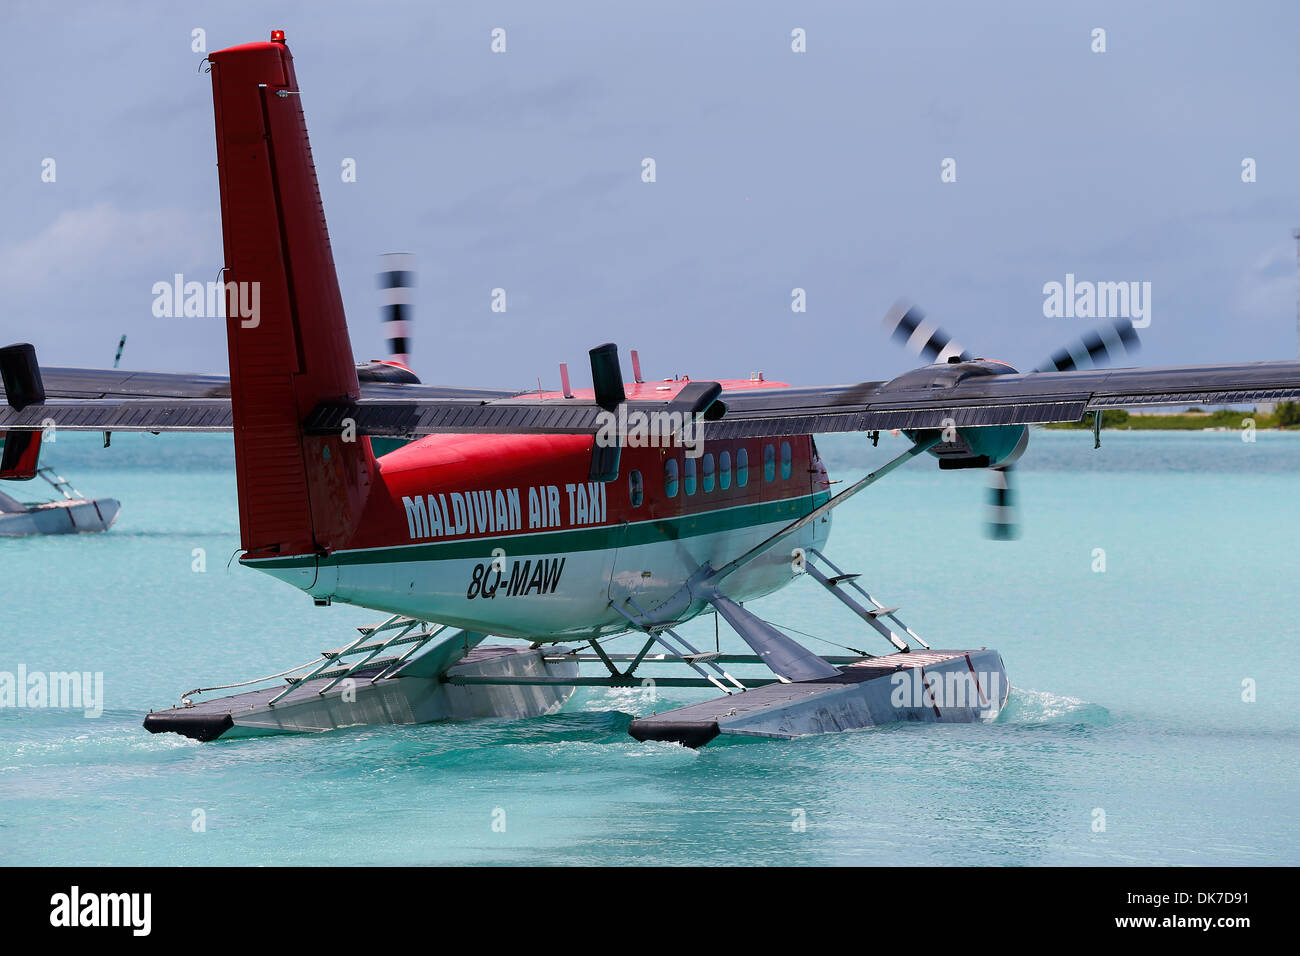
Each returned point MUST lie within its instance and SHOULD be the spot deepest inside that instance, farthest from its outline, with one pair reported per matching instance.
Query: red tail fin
(23, 387)
(288, 338)
(22, 451)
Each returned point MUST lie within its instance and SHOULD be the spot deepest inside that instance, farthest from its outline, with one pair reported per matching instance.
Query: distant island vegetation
(1286, 415)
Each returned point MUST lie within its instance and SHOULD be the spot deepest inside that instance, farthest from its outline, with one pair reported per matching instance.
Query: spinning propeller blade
(1003, 523)
(908, 326)
(1102, 347)
(396, 280)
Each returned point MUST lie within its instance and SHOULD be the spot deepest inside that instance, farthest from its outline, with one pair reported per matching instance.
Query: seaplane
(70, 513)
(563, 520)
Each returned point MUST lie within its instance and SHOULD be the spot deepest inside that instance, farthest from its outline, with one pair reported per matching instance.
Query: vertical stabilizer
(287, 335)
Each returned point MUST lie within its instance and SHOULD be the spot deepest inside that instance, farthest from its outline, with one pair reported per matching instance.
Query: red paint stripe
(983, 700)
(933, 702)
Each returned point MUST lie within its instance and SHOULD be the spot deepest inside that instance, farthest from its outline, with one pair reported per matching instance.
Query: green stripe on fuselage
(572, 539)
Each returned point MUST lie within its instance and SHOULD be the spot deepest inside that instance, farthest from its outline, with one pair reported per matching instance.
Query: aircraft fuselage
(507, 535)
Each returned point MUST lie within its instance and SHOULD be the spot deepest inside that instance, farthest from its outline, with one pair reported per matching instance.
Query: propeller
(907, 325)
(396, 281)
(1003, 522)
(1101, 347)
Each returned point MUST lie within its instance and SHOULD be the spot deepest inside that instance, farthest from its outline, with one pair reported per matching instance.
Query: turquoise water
(1127, 691)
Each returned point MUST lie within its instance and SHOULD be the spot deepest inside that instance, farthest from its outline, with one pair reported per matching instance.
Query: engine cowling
(994, 446)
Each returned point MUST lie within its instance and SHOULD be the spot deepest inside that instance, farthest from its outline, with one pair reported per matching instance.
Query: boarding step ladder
(876, 614)
(59, 483)
(332, 667)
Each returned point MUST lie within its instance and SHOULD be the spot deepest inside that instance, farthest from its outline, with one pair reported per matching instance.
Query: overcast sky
(775, 170)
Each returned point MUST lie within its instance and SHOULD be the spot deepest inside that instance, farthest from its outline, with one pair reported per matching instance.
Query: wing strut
(788, 659)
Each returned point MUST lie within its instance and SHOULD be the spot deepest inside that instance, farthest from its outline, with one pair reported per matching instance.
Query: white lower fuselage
(546, 585)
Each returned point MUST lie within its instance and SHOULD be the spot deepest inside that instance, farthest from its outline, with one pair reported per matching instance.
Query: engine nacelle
(995, 446)
(992, 446)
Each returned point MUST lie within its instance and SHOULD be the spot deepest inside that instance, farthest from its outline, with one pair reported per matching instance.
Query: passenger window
(724, 470)
(786, 458)
(769, 463)
(742, 468)
(688, 474)
(670, 477)
(636, 490)
(708, 469)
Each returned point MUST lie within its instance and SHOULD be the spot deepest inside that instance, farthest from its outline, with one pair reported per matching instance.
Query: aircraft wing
(1005, 399)
(928, 401)
(929, 397)
(122, 400)
(102, 384)
(80, 399)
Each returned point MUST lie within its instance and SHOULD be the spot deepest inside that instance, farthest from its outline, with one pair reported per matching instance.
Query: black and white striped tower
(1295, 234)
(396, 279)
